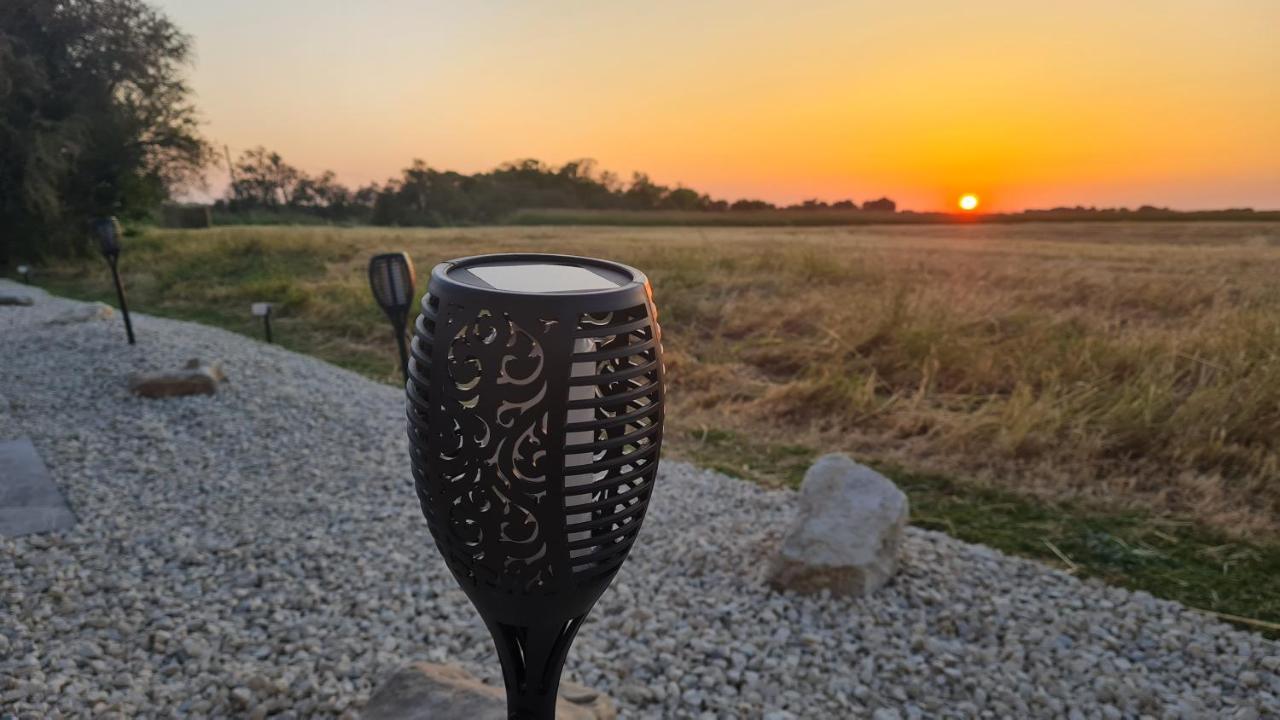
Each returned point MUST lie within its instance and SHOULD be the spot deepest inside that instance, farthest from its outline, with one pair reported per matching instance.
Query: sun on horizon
(968, 202)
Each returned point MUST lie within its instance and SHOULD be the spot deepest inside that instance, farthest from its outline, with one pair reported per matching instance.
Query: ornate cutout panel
(534, 480)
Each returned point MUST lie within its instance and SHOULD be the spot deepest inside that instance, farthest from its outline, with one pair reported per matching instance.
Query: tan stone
(427, 691)
(195, 378)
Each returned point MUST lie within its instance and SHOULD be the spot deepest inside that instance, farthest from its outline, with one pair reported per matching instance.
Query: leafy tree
(684, 199)
(812, 204)
(428, 197)
(643, 193)
(95, 117)
(262, 179)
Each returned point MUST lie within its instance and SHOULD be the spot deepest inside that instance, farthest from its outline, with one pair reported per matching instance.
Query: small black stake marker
(107, 231)
(263, 310)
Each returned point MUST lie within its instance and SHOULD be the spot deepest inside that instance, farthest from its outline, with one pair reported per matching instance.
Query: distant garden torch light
(25, 272)
(392, 278)
(535, 403)
(107, 231)
(263, 310)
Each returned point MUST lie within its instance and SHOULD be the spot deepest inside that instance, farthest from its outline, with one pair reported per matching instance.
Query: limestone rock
(7, 299)
(195, 378)
(847, 534)
(84, 312)
(427, 691)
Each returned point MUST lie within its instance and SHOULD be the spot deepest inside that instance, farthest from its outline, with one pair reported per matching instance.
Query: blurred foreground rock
(847, 535)
(195, 378)
(7, 299)
(427, 691)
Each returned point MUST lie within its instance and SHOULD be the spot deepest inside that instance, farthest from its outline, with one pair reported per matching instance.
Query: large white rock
(847, 534)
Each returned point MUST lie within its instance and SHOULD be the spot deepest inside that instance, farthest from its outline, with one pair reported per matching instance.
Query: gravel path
(260, 553)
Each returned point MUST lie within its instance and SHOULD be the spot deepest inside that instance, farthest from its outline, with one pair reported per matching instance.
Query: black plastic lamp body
(25, 272)
(392, 280)
(107, 231)
(535, 403)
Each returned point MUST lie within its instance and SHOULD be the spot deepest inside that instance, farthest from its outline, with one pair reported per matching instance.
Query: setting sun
(968, 202)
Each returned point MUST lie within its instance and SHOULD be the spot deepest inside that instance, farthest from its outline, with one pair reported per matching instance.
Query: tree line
(263, 182)
(97, 118)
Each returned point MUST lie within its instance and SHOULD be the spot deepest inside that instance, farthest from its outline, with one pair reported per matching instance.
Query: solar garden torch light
(535, 403)
(25, 272)
(107, 231)
(392, 278)
(263, 310)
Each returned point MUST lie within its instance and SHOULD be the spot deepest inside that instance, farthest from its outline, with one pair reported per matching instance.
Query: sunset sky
(1026, 104)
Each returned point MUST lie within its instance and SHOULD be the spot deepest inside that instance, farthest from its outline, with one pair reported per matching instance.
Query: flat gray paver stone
(29, 501)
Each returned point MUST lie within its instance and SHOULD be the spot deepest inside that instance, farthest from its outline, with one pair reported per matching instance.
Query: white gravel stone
(260, 553)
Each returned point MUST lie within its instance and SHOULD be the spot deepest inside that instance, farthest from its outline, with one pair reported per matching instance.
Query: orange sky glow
(1171, 103)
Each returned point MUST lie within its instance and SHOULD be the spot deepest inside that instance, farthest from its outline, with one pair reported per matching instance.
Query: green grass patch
(1174, 559)
(769, 464)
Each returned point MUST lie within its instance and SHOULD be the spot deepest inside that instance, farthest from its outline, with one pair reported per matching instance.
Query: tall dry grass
(1128, 369)
(1132, 363)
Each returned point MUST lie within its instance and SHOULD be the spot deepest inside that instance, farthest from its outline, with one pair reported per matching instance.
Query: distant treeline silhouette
(265, 190)
(264, 185)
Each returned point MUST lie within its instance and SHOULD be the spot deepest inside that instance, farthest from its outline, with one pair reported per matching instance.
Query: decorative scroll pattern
(487, 478)
(532, 481)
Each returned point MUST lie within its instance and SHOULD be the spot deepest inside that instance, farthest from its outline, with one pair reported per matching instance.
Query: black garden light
(392, 278)
(535, 403)
(263, 310)
(25, 272)
(107, 231)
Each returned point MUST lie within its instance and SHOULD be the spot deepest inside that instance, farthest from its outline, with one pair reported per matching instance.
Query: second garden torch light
(535, 403)
(392, 279)
(107, 231)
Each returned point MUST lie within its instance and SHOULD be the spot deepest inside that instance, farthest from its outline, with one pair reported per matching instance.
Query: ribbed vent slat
(624, 426)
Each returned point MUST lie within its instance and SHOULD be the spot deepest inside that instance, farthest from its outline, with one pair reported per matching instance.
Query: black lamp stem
(124, 307)
(397, 326)
(532, 659)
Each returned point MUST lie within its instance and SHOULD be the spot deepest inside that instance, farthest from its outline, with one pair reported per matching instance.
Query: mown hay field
(1132, 363)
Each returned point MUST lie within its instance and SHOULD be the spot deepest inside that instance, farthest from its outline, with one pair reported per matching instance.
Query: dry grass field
(1124, 367)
